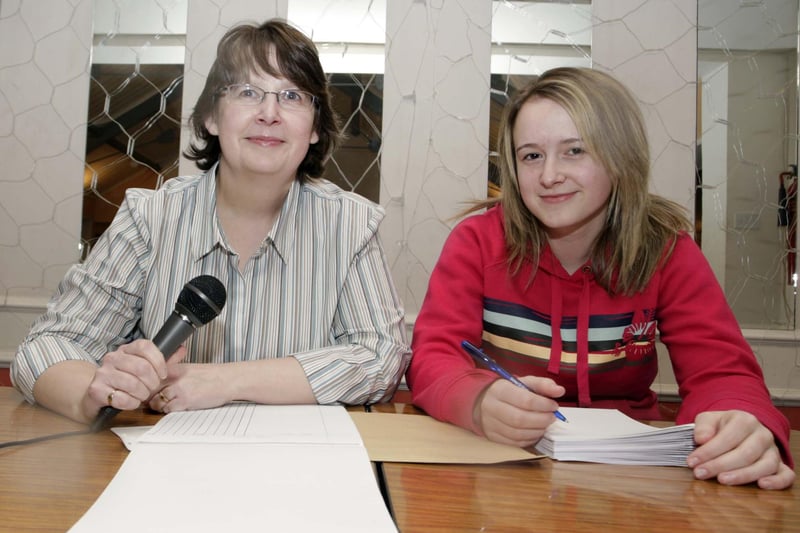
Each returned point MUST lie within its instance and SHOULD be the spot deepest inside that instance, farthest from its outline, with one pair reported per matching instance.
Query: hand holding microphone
(199, 302)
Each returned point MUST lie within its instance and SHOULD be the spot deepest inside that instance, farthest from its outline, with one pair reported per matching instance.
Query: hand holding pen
(492, 365)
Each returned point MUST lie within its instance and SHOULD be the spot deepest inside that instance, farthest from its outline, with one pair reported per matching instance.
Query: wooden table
(547, 495)
(48, 486)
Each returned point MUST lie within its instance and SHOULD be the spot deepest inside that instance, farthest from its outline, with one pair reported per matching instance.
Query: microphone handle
(175, 330)
(103, 417)
(173, 333)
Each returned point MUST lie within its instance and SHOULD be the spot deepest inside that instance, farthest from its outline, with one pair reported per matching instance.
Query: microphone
(199, 302)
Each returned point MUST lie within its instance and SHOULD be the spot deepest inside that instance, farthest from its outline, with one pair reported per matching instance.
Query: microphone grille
(202, 298)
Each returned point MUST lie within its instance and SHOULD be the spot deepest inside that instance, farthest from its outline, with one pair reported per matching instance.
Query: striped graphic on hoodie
(523, 336)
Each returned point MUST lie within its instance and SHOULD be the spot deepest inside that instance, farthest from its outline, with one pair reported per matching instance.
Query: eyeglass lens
(251, 95)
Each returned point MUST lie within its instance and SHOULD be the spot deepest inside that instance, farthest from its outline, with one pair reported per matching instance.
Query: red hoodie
(601, 348)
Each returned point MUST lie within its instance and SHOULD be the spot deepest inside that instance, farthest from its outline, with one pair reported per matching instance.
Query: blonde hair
(639, 225)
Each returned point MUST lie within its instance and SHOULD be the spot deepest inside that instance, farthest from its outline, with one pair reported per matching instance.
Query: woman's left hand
(190, 386)
(737, 449)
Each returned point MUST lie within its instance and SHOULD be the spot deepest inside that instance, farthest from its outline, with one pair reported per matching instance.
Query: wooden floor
(668, 409)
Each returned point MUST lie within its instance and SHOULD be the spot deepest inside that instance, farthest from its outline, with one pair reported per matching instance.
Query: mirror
(135, 100)
(527, 39)
(747, 133)
(350, 38)
(135, 93)
(747, 155)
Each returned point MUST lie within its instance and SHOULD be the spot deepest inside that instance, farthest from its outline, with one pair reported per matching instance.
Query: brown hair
(640, 226)
(245, 49)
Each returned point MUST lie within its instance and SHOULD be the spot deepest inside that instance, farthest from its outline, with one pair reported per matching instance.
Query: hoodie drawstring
(582, 363)
(554, 364)
(582, 336)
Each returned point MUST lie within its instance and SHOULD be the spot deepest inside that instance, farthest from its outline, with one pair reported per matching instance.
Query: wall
(433, 158)
(44, 56)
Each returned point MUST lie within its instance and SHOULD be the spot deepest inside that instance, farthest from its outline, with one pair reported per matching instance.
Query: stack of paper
(244, 468)
(609, 436)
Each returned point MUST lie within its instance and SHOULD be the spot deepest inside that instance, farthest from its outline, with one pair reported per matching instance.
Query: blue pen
(492, 365)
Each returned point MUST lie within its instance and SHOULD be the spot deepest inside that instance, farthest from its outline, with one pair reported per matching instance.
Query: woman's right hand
(509, 414)
(127, 377)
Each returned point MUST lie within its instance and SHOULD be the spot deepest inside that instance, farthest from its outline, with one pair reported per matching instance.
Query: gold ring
(110, 397)
(163, 398)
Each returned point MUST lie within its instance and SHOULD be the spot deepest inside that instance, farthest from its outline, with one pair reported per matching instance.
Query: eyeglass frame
(223, 91)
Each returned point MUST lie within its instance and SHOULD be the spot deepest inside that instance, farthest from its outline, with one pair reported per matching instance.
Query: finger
(174, 402)
(520, 439)
(709, 424)
(160, 400)
(148, 351)
(506, 417)
(522, 436)
(755, 457)
(765, 466)
(125, 378)
(543, 386)
(110, 397)
(163, 397)
(535, 403)
(783, 479)
(146, 362)
(723, 438)
(733, 447)
(179, 355)
(107, 380)
(119, 399)
(705, 427)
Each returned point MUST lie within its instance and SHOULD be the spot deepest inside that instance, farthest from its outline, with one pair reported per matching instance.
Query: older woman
(312, 315)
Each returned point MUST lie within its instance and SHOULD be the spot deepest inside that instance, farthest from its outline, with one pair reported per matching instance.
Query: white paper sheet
(202, 480)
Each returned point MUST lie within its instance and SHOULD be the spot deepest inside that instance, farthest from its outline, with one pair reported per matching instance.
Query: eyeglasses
(246, 94)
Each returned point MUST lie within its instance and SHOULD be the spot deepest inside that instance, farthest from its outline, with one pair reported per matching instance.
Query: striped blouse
(318, 289)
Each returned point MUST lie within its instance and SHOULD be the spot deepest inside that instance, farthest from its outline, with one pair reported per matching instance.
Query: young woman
(567, 277)
(311, 313)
